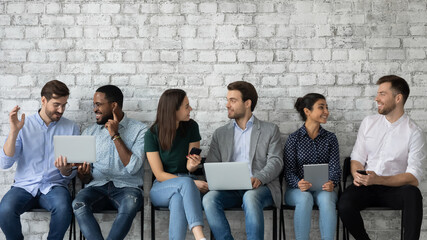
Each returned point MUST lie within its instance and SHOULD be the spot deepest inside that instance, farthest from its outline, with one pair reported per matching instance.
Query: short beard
(105, 119)
(236, 116)
(386, 111)
(51, 117)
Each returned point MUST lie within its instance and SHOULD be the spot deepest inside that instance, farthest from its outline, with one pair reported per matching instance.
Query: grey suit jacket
(265, 154)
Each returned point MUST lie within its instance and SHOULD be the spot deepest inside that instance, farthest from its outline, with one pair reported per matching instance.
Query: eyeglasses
(98, 105)
(63, 106)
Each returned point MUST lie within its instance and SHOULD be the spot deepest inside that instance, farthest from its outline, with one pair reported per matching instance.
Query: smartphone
(196, 151)
(363, 172)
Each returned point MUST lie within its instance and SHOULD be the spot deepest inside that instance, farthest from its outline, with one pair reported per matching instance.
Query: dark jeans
(17, 201)
(408, 198)
(127, 201)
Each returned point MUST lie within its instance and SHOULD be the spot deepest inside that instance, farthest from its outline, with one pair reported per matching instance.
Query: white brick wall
(285, 48)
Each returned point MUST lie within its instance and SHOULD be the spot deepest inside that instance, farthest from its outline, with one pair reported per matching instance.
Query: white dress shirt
(388, 148)
(242, 142)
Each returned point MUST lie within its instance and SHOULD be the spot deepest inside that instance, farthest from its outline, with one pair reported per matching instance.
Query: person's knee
(78, 205)
(252, 200)
(325, 199)
(411, 191)
(131, 203)
(345, 203)
(411, 194)
(187, 183)
(304, 199)
(62, 209)
(5, 213)
(210, 200)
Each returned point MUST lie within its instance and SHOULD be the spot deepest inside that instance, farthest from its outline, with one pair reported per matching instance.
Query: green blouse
(174, 160)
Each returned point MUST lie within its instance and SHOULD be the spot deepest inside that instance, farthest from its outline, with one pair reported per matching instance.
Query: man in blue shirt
(258, 143)
(117, 175)
(40, 181)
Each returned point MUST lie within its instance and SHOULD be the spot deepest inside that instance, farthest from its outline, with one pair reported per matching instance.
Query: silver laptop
(317, 175)
(77, 149)
(228, 176)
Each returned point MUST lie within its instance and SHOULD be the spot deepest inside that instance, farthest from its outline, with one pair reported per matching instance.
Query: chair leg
(142, 221)
(282, 224)
(212, 236)
(274, 224)
(338, 226)
(153, 225)
(402, 230)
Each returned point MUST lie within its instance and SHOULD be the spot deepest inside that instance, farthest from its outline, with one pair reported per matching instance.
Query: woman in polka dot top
(311, 144)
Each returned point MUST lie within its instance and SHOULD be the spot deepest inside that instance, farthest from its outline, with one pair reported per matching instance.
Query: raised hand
(113, 124)
(15, 124)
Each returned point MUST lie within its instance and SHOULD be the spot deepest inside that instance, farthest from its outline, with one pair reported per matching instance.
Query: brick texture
(285, 48)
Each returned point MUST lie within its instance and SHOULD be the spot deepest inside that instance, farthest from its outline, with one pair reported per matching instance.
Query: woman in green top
(167, 144)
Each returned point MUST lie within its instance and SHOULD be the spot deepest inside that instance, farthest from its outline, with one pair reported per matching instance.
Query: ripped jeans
(126, 200)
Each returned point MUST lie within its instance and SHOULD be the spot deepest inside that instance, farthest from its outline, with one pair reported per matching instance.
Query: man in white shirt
(392, 150)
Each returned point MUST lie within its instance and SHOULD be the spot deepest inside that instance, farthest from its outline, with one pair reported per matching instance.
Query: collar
(249, 124)
(303, 131)
(402, 118)
(41, 122)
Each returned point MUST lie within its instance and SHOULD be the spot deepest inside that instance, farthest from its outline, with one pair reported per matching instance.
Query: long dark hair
(165, 123)
(307, 102)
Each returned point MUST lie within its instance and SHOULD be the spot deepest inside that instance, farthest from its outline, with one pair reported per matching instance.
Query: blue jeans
(17, 201)
(303, 202)
(252, 201)
(182, 197)
(127, 201)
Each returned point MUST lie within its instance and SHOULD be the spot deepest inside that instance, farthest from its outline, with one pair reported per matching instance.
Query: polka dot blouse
(300, 149)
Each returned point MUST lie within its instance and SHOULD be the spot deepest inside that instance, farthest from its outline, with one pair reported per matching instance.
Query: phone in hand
(363, 172)
(196, 151)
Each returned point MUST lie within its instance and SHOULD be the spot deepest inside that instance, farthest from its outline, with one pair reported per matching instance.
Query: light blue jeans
(252, 201)
(17, 201)
(127, 201)
(303, 202)
(182, 197)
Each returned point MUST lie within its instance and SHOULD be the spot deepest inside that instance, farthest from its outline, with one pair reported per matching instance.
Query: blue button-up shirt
(242, 141)
(300, 149)
(34, 155)
(108, 166)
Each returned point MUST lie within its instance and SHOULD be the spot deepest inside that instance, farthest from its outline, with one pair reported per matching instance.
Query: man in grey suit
(245, 139)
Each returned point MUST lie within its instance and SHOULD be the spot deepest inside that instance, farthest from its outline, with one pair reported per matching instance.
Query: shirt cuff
(71, 176)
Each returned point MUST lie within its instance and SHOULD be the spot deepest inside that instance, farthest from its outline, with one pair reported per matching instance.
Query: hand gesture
(64, 167)
(328, 186)
(113, 124)
(255, 183)
(15, 124)
(202, 186)
(304, 185)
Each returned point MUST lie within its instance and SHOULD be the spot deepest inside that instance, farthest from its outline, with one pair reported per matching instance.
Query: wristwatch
(116, 136)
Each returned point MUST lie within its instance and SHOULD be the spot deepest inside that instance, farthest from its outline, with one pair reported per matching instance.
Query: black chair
(284, 207)
(345, 174)
(110, 209)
